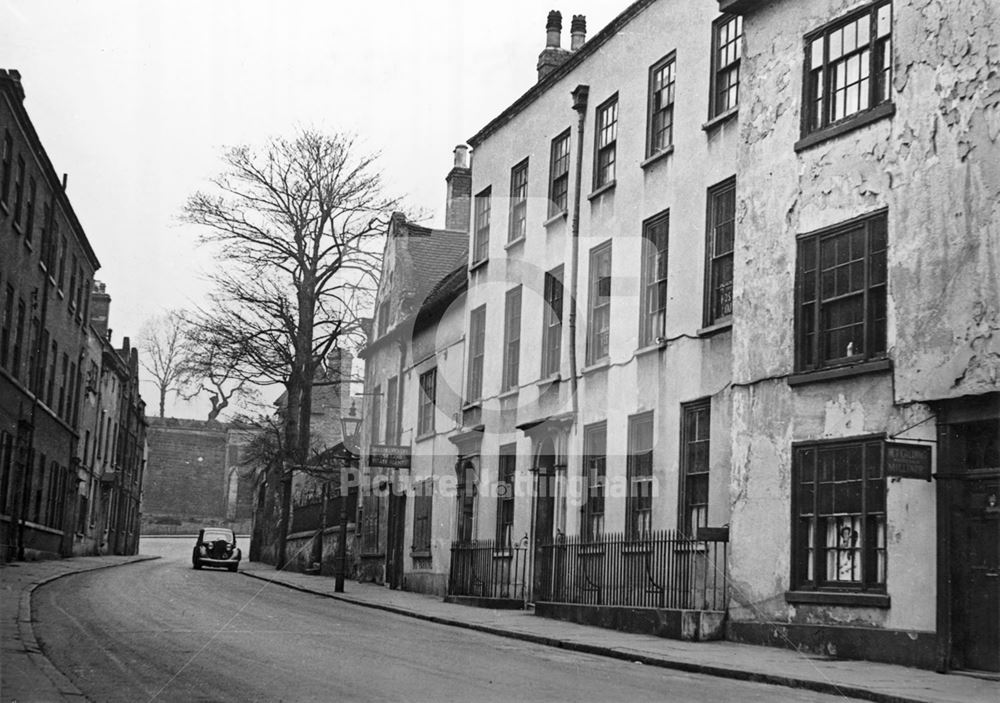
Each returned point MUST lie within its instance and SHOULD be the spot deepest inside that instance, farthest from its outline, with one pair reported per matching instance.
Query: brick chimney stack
(577, 32)
(458, 206)
(100, 307)
(553, 54)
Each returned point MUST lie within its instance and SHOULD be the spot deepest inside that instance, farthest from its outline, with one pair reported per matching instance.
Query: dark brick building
(46, 269)
(195, 475)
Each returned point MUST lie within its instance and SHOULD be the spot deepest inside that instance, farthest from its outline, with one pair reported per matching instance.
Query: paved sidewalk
(25, 673)
(865, 680)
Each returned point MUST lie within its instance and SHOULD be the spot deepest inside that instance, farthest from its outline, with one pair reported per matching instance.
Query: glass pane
(816, 53)
(884, 22)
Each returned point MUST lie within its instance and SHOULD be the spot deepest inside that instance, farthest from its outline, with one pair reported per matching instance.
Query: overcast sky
(136, 100)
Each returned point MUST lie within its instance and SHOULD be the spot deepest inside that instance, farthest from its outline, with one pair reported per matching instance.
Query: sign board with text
(907, 460)
(389, 455)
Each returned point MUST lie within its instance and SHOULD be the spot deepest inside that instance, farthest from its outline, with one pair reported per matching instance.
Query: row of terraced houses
(708, 345)
(72, 422)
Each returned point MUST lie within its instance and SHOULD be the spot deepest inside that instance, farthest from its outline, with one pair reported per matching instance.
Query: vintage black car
(216, 546)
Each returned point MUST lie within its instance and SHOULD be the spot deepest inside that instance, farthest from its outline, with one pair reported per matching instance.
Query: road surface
(160, 631)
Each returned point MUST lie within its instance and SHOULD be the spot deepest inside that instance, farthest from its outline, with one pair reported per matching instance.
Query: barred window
(552, 322)
(481, 233)
(727, 48)
(839, 516)
(428, 399)
(423, 505)
(518, 202)
(653, 323)
(695, 439)
(607, 139)
(841, 294)
(639, 509)
(719, 251)
(511, 339)
(391, 417)
(477, 351)
(599, 337)
(559, 175)
(505, 496)
(661, 106)
(849, 66)
(595, 439)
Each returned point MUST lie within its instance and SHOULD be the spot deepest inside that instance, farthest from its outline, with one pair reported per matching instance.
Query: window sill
(17, 227)
(847, 371)
(849, 124)
(864, 600)
(662, 154)
(595, 367)
(472, 405)
(716, 327)
(425, 435)
(509, 393)
(558, 217)
(5, 207)
(28, 245)
(514, 243)
(719, 119)
(420, 553)
(478, 264)
(650, 348)
(610, 185)
(549, 380)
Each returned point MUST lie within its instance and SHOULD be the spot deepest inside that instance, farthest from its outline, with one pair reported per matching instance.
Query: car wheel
(197, 564)
(233, 567)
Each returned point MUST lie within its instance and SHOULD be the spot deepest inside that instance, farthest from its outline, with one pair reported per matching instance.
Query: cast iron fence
(482, 569)
(309, 517)
(660, 570)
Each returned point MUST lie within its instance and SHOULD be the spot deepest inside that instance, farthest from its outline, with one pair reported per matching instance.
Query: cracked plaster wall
(935, 165)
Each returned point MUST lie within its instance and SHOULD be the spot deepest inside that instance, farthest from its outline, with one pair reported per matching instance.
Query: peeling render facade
(923, 166)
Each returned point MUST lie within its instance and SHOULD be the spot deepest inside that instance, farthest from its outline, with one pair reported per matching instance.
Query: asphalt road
(161, 631)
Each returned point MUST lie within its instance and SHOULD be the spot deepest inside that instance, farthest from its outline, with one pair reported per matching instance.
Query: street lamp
(350, 426)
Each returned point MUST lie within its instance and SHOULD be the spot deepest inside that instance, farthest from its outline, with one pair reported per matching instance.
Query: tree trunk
(163, 399)
(293, 395)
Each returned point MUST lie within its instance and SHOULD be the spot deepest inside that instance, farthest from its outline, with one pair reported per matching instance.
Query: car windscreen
(214, 535)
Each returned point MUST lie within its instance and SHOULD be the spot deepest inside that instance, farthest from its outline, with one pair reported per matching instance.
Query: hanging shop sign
(389, 455)
(907, 460)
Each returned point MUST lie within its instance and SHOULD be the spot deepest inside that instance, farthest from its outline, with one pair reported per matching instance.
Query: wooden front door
(977, 602)
(544, 508)
(395, 536)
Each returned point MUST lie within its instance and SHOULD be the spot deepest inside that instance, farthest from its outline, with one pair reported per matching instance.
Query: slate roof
(433, 255)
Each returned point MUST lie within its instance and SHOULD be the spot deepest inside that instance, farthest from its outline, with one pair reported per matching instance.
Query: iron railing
(482, 569)
(309, 517)
(662, 569)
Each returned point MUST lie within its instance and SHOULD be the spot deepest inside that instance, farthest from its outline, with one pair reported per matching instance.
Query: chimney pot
(461, 156)
(578, 32)
(553, 29)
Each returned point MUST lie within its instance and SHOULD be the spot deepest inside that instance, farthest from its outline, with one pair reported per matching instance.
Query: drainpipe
(580, 94)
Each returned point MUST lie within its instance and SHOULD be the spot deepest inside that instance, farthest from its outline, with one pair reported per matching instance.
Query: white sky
(135, 101)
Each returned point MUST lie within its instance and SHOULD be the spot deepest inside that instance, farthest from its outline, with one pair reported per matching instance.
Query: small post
(338, 586)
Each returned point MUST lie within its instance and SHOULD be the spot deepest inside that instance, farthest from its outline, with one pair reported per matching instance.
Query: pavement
(886, 683)
(27, 675)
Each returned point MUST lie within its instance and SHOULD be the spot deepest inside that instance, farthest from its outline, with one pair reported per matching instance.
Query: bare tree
(161, 342)
(209, 369)
(298, 225)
